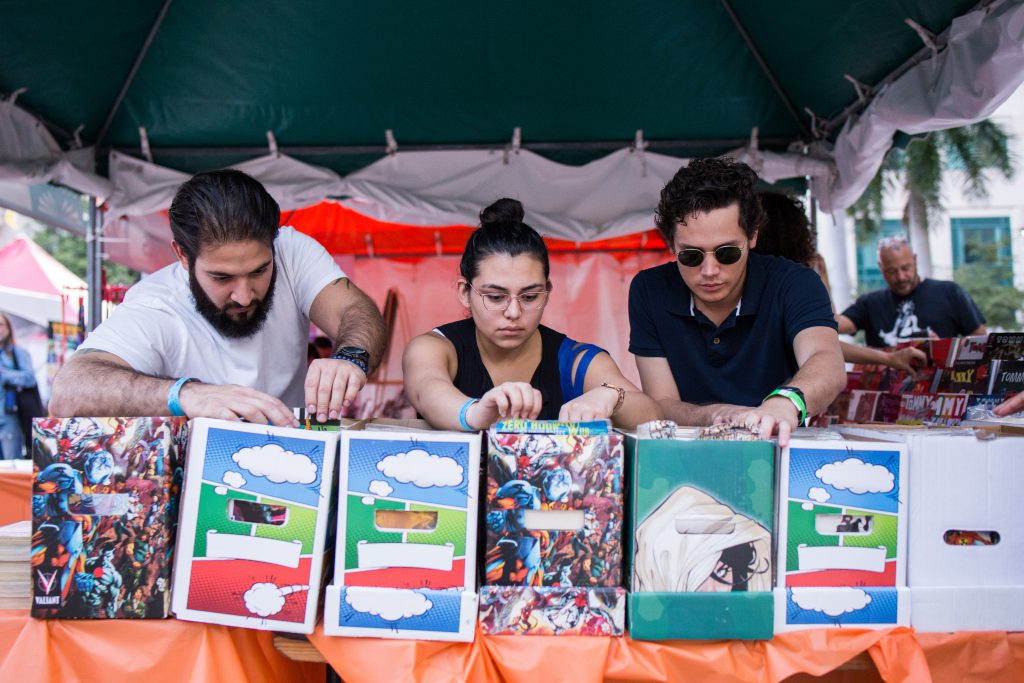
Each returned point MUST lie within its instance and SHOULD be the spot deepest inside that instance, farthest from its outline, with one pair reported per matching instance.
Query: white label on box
(840, 557)
(230, 547)
(553, 520)
(420, 555)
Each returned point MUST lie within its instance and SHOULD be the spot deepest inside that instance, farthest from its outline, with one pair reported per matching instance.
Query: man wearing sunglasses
(724, 334)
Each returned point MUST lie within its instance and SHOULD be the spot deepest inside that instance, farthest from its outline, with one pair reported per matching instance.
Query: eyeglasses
(727, 254)
(500, 301)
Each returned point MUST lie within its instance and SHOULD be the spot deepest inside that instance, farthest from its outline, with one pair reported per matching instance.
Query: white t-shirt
(158, 331)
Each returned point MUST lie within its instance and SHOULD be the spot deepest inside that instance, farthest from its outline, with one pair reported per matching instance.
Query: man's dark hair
(787, 232)
(221, 207)
(706, 184)
(502, 231)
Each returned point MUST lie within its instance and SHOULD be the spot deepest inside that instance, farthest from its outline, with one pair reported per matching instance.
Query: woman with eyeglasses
(500, 362)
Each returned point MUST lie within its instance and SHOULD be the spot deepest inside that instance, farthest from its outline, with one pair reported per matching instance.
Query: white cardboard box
(842, 534)
(253, 525)
(405, 565)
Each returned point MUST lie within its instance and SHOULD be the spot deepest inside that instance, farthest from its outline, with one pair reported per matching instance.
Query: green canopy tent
(341, 86)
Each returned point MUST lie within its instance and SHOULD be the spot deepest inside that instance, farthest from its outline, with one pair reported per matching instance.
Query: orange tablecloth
(15, 497)
(899, 654)
(142, 651)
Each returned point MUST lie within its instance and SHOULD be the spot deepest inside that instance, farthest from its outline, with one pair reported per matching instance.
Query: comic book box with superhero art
(254, 516)
(405, 565)
(104, 508)
(553, 562)
(701, 546)
(842, 535)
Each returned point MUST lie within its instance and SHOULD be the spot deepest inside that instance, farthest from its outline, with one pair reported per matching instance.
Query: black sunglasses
(727, 254)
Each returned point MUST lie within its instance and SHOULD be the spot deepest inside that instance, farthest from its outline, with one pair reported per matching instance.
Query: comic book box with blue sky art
(842, 535)
(253, 525)
(701, 547)
(405, 565)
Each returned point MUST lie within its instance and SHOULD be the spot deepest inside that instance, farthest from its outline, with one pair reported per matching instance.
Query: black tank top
(472, 378)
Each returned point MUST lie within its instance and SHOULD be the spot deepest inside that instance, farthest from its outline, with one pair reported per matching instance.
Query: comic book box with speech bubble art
(405, 564)
(253, 525)
(553, 562)
(703, 520)
(842, 535)
(104, 506)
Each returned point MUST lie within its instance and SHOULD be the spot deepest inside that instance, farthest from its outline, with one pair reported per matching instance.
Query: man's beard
(224, 323)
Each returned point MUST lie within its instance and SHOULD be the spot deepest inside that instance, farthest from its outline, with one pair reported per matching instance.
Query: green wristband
(796, 398)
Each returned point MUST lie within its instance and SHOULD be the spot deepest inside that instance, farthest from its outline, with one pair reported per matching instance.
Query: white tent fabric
(981, 66)
(30, 155)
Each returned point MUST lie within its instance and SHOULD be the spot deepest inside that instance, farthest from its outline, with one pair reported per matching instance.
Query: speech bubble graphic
(390, 605)
(380, 488)
(857, 476)
(832, 601)
(818, 494)
(422, 469)
(233, 479)
(276, 464)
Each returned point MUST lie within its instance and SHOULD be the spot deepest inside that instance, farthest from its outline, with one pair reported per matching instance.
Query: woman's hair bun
(503, 212)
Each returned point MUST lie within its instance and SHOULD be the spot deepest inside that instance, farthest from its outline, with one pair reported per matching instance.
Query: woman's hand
(507, 401)
(596, 404)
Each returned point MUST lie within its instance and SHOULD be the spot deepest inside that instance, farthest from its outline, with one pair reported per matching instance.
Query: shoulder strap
(568, 352)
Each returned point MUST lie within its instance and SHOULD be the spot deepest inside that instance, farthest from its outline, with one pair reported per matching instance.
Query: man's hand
(233, 402)
(775, 415)
(596, 404)
(507, 401)
(1010, 405)
(908, 358)
(332, 385)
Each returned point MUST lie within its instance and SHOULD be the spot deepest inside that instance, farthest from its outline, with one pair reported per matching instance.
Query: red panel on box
(220, 586)
(402, 577)
(844, 577)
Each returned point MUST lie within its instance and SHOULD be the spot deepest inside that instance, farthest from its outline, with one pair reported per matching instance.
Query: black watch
(356, 355)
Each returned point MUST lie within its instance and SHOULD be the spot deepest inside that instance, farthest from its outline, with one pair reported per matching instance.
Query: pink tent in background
(34, 286)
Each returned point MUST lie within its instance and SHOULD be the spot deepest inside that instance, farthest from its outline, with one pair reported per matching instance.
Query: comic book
(104, 509)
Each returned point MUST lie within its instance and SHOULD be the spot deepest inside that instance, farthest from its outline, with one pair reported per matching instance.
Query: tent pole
(94, 266)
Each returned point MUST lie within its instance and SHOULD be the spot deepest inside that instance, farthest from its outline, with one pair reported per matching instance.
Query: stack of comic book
(15, 579)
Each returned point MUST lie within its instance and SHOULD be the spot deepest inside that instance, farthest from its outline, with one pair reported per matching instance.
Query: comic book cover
(887, 409)
(916, 409)
(104, 509)
(968, 377)
(253, 525)
(406, 564)
(552, 611)
(1007, 377)
(948, 409)
(1005, 346)
(554, 507)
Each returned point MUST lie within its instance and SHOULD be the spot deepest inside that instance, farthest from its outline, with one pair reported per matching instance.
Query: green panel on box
(359, 526)
(802, 532)
(215, 515)
(451, 528)
(701, 616)
(299, 526)
(883, 533)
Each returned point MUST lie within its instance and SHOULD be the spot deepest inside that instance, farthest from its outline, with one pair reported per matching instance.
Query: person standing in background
(16, 375)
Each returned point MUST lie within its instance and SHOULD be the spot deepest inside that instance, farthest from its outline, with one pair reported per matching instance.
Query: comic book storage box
(842, 558)
(553, 524)
(966, 523)
(104, 508)
(253, 525)
(701, 543)
(405, 566)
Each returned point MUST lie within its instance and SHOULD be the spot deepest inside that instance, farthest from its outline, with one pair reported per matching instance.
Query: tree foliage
(69, 250)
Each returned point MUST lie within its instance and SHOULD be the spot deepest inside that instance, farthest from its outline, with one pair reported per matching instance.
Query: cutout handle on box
(251, 512)
(964, 537)
(405, 520)
(844, 525)
(553, 520)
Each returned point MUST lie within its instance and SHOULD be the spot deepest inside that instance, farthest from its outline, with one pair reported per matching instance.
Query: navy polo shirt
(751, 353)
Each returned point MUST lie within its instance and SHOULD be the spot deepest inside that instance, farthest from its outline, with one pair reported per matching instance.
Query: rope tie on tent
(369, 244)
(863, 90)
(817, 125)
(13, 97)
(753, 156)
(144, 144)
(926, 36)
(514, 146)
(391, 145)
(272, 144)
(77, 135)
(639, 145)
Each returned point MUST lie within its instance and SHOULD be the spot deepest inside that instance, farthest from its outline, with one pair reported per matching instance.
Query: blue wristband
(172, 396)
(462, 414)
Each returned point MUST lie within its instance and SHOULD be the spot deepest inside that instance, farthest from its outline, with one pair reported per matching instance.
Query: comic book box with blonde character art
(405, 565)
(842, 535)
(253, 525)
(701, 545)
(104, 508)
(553, 524)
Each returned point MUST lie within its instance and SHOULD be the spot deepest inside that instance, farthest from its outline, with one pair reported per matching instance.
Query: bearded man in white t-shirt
(223, 332)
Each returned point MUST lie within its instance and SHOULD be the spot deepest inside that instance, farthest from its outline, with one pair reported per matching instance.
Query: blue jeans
(11, 440)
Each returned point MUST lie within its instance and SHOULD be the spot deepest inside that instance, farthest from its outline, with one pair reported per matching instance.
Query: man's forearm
(88, 386)
(362, 326)
(821, 379)
(689, 414)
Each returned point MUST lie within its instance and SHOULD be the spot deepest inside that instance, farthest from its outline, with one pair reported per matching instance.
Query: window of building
(983, 240)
